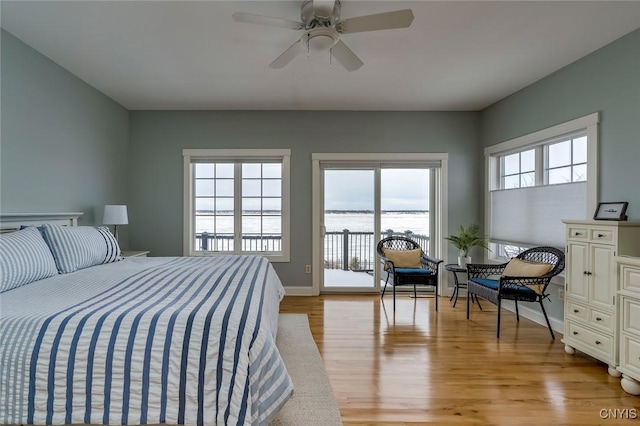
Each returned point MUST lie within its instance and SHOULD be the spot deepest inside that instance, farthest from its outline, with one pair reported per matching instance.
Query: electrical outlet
(307, 269)
(561, 293)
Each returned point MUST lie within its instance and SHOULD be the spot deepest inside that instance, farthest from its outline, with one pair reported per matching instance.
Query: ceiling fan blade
(379, 21)
(345, 56)
(323, 9)
(249, 18)
(287, 56)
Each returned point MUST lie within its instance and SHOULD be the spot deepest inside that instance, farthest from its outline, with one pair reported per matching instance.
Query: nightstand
(131, 253)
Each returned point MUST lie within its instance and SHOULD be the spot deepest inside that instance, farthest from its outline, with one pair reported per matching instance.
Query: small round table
(456, 269)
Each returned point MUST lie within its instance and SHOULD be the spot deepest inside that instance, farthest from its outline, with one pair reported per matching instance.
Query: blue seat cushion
(508, 289)
(492, 284)
(413, 271)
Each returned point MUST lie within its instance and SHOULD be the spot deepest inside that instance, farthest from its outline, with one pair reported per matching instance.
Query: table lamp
(115, 215)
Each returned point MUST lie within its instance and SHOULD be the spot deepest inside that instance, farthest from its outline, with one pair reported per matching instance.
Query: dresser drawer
(601, 235)
(576, 310)
(630, 315)
(602, 320)
(592, 340)
(630, 277)
(578, 233)
(630, 353)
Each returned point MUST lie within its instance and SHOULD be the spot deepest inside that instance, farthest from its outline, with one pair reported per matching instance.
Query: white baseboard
(535, 316)
(299, 291)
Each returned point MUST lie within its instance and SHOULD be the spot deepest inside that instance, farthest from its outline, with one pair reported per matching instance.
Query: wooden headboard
(13, 221)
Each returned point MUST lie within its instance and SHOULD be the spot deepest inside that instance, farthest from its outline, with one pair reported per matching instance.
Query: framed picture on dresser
(611, 211)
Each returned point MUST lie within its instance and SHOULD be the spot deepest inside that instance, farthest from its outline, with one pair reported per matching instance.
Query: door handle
(323, 231)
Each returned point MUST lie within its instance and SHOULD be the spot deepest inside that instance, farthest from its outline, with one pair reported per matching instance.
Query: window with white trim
(237, 202)
(537, 180)
(562, 160)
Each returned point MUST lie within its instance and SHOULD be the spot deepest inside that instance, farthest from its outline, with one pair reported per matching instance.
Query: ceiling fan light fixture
(320, 43)
(323, 28)
(321, 39)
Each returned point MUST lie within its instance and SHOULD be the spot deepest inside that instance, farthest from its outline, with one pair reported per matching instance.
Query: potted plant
(468, 238)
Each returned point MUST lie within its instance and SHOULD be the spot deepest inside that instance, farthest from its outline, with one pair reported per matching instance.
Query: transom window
(551, 163)
(237, 202)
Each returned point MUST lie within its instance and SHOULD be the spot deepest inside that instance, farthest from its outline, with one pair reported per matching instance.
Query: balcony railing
(356, 251)
(346, 250)
(252, 243)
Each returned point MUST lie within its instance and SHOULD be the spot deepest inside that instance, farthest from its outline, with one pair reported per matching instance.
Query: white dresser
(591, 285)
(629, 313)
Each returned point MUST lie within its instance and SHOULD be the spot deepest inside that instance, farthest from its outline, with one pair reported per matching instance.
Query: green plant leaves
(467, 238)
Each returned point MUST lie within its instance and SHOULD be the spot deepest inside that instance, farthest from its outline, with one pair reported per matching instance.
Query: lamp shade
(115, 215)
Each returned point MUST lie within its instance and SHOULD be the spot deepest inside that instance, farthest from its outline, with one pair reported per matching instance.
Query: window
(567, 160)
(518, 170)
(537, 180)
(236, 202)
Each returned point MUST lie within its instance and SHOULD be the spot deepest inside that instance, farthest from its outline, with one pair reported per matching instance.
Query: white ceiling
(191, 55)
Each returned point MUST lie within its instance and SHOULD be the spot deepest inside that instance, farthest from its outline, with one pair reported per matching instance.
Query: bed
(186, 340)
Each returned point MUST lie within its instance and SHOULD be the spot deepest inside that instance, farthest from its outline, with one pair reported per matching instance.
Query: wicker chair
(426, 274)
(517, 289)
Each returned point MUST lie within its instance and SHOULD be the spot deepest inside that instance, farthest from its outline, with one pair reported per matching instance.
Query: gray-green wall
(64, 145)
(607, 81)
(157, 140)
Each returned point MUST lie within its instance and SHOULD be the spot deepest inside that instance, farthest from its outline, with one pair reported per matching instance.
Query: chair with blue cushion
(523, 279)
(406, 264)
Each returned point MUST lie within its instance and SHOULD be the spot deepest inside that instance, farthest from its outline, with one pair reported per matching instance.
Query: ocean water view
(414, 221)
(352, 250)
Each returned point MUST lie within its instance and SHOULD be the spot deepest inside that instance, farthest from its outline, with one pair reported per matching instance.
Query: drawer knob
(598, 319)
(575, 333)
(600, 235)
(587, 272)
(575, 311)
(578, 233)
(597, 342)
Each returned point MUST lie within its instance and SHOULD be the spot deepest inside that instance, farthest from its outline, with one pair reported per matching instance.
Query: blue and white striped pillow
(24, 258)
(79, 247)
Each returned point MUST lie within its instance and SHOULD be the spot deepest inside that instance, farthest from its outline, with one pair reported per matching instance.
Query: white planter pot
(462, 261)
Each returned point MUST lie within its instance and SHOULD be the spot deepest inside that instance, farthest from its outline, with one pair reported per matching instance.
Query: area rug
(313, 402)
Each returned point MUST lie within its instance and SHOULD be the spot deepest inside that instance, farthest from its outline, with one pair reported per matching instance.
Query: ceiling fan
(323, 27)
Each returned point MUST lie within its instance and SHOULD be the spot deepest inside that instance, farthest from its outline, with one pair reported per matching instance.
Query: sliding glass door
(349, 222)
(362, 204)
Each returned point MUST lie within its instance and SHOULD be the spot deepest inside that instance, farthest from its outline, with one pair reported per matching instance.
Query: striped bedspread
(145, 341)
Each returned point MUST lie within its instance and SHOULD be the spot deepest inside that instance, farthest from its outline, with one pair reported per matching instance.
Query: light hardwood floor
(418, 366)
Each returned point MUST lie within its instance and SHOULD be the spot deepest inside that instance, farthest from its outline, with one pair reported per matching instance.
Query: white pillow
(24, 258)
(79, 247)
